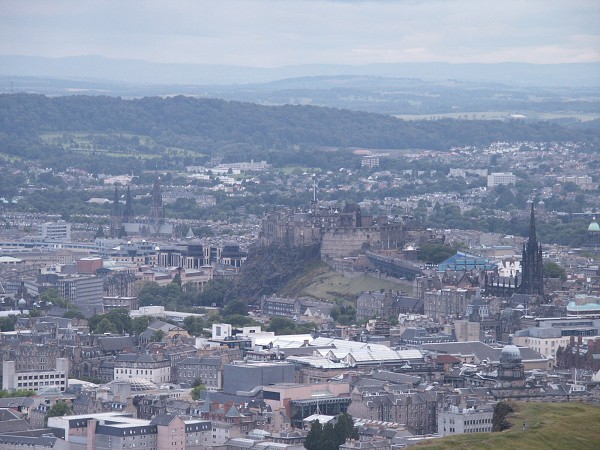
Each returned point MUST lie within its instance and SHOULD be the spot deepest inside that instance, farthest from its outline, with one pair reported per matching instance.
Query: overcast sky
(273, 33)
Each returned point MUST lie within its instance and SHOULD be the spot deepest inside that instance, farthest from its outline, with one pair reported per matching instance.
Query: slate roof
(222, 398)
(206, 360)
(135, 357)
(398, 378)
(8, 414)
(163, 326)
(28, 441)
(115, 343)
(162, 419)
(16, 402)
(233, 412)
(480, 350)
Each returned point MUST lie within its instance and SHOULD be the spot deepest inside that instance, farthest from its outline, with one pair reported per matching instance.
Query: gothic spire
(115, 219)
(532, 234)
(116, 204)
(532, 277)
(128, 213)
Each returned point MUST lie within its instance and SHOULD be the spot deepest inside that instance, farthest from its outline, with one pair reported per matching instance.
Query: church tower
(532, 266)
(128, 212)
(115, 217)
(157, 209)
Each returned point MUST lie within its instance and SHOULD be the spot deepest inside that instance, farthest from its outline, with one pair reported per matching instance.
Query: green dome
(594, 226)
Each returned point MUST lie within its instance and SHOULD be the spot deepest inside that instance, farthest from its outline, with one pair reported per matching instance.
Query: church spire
(157, 209)
(128, 213)
(532, 279)
(532, 233)
(115, 218)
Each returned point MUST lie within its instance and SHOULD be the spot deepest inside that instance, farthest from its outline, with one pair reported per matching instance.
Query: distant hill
(207, 126)
(412, 90)
(143, 72)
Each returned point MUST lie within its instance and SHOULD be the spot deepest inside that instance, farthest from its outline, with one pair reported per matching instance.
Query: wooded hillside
(208, 124)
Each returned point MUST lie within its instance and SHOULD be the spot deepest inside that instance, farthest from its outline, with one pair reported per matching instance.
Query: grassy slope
(321, 282)
(571, 426)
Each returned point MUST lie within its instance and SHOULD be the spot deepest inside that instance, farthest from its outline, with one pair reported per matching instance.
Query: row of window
(41, 383)
(479, 430)
(478, 421)
(41, 377)
(137, 371)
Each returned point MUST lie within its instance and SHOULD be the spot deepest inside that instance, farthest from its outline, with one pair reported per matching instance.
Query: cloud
(272, 33)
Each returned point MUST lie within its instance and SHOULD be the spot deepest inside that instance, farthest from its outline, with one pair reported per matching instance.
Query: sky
(276, 33)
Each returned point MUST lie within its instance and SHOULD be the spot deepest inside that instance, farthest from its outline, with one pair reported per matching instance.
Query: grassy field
(572, 426)
(81, 143)
(323, 283)
(495, 115)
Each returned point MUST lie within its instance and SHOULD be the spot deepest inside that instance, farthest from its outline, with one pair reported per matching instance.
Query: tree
(59, 409)
(553, 270)
(35, 313)
(238, 320)
(177, 278)
(139, 324)
(435, 253)
(18, 393)
(53, 295)
(328, 438)
(73, 314)
(99, 233)
(8, 323)
(119, 321)
(343, 313)
(194, 325)
(314, 436)
(214, 292)
(197, 390)
(105, 326)
(236, 307)
(157, 336)
(283, 325)
(344, 429)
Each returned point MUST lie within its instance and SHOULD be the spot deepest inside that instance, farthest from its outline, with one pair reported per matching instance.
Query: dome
(22, 302)
(594, 226)
(137, 384)
(510, 354)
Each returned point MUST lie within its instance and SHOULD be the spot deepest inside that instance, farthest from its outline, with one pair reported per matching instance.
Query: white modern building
(456, 420)
(35, 380)
(56, 231)
(499, 178)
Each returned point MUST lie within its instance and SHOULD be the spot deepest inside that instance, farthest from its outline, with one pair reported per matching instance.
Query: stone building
(417, 410)
(154, 368)
(207, 369)
(593, 236)
(449, 302)
(511, 371)
(386, 305)
(339, 232)
(288, 307)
